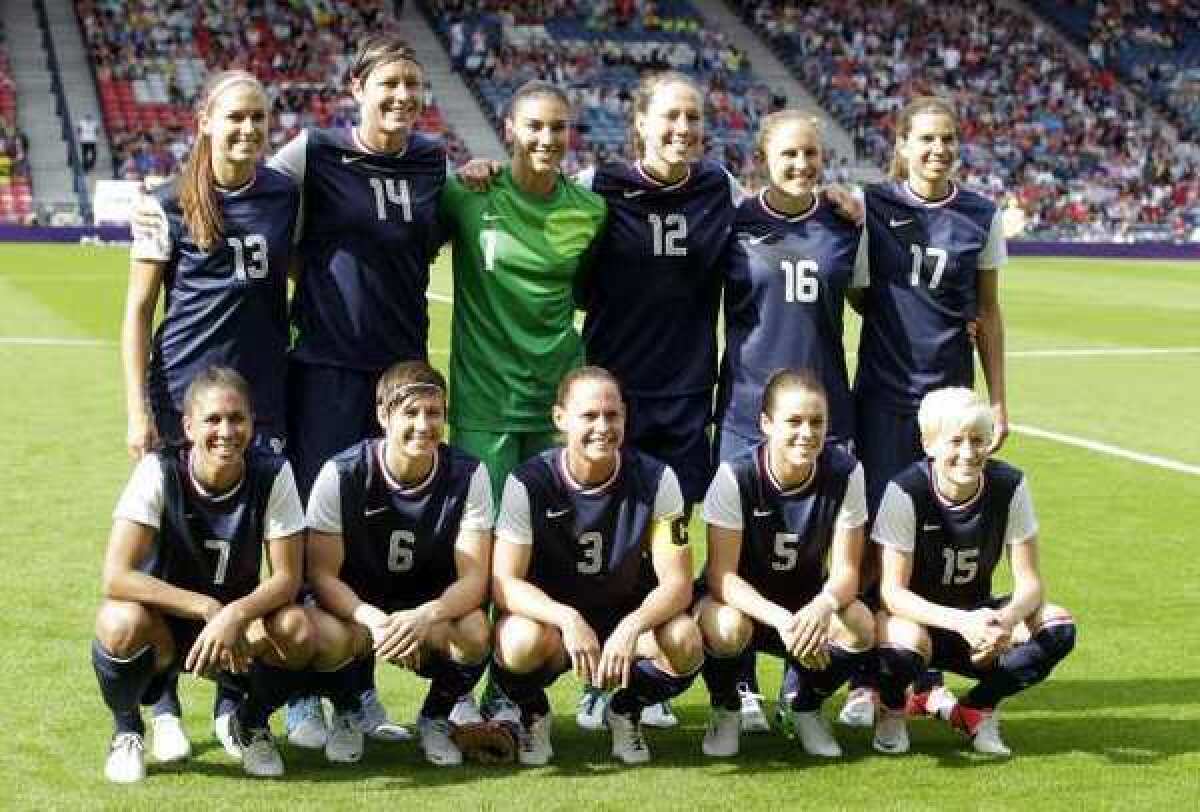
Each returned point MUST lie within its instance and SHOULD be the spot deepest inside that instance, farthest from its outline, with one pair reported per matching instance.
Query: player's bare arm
(989, 342)
(141, 298)
(980, 627)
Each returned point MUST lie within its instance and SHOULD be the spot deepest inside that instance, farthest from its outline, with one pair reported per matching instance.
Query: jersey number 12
(669, 234)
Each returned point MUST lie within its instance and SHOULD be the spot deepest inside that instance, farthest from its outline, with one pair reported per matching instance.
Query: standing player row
(590, 570)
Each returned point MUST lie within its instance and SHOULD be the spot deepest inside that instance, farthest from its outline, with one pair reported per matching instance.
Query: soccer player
(579, 527)
(518, 249)
(399, 555)
(216, 242)
(943, 526)
(933, 251)
(181, 579)
(776, 514)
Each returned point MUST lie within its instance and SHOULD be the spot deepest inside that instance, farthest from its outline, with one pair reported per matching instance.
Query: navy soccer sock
(227, 698)
(814, 687)
(527, 691)
(898, 668)
(122, 684)
(747, 674)
(270, 688)
(721, 677)
(163, 694)
(648, 685)
(342, 686)
(448, 680)
(1023, 666)
(927, 680)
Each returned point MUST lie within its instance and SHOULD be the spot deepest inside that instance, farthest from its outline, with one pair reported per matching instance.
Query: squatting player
(943, 526)
(181, 578)
(776, 513)
(576, 527)
(399, 554)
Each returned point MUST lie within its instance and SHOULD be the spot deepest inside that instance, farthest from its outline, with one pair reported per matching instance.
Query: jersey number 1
(390, 190)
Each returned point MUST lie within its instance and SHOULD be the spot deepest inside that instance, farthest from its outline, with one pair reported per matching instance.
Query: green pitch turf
(1117, 727)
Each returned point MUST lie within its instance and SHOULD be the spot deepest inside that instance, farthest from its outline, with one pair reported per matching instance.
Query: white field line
(56, 342)
(1102, 351)
(1105, 448)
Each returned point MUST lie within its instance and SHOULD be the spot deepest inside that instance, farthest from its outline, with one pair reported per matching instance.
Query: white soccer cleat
(126, 763)
(503, 709)
(628, 744)
(260, 756)
(589, 713)
(344, 739)
(533, 742)
(659, 715)
(721, 735)
(225, 729)
(375, 722)
(859, 710)
(987, 737)
(815, 735)
(891, 732)
(753, 718)
(305, 723)
(169, 742)
(465, 712)
(440, 750)
(941, 702)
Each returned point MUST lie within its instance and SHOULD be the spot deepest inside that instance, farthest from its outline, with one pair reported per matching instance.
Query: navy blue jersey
(787, 535)
(212, 546)
(785, 290)
(653, 290)
(956, 548)
(228, 306)
(924, 261)
(591, 546)
(399, 543)
(369, 233)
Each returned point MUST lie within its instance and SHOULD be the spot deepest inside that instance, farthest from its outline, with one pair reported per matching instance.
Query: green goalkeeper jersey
(516, 257)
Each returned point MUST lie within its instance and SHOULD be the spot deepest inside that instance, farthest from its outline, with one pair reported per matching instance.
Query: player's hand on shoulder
(847, 203)
(477, 174)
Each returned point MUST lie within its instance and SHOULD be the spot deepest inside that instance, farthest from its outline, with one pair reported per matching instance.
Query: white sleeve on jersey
(325, 501)
(479, 511)
(668, 502)
(513, 524)
(995, 250)
(736, 193)
(153, 245)
(285, 514)
(723, 501)
(586, 177)
(896, 522)
(1022, 523)
(142, 499)
(854, 504)
(292, 158)
(862, 263)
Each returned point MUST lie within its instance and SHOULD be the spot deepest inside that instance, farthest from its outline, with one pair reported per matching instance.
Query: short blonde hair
(952, 407)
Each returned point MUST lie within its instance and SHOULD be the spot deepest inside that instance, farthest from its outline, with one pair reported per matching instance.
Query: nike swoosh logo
(189, 516)
(632, 193)
(928, 527)
(349, 159)
(554, 514)
(373, 511)
(761, 513)
(760, 240)
(898, 223)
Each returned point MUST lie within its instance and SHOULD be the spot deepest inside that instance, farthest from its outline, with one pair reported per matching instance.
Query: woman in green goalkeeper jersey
(518, 248)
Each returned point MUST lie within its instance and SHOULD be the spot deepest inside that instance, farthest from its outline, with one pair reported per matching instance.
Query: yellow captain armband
(669, 532)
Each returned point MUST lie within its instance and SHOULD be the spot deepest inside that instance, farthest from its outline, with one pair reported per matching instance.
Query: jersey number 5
(786, 556)
(249, 256)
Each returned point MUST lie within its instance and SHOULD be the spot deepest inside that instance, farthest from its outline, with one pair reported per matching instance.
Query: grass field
(1117, 727)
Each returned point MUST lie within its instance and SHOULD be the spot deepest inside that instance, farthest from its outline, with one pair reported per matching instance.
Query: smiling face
(539, 128)
(795, 431)
(593, 420)
(671, 128)
(930, 151)
(794, 158)
(416, 424)
(959, 451)
(219, 424)
(236, 122)
(389, 99)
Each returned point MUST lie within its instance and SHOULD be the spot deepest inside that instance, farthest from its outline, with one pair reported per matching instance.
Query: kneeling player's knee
(472, 640)
(682, 644)
(335, 642)
(293, 636)
(726, 630)
(1056, 635)
(522, 644)
(856, 627)
(123, 628)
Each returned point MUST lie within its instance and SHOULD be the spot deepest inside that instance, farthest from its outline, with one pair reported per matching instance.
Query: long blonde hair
(919, 105)
(198, 186)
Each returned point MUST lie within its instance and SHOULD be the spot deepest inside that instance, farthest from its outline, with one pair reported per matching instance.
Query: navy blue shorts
(949, 651)
(886, 444)
(675, 431)
(329, 409)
